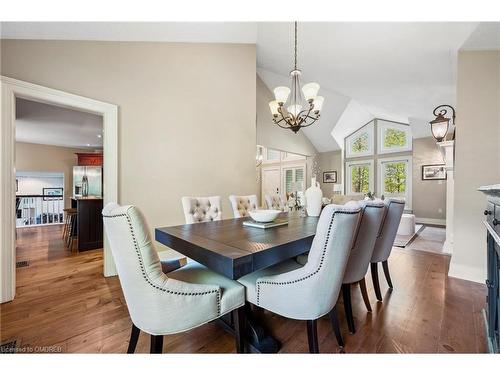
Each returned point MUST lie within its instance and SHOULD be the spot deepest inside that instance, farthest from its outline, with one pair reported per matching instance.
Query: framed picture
(52, 191)
(433, 172)
(330, 177)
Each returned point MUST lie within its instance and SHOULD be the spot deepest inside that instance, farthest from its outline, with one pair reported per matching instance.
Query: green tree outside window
(360, 179)
(394, 138)
(360, 144)
(395, 178)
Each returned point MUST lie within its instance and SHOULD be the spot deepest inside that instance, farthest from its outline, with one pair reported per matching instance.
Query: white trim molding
(348, 166)
(430, 221)
(10, 90)
(408, 159)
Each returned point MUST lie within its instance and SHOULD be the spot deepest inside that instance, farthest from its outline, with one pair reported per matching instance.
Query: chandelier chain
(295, 45)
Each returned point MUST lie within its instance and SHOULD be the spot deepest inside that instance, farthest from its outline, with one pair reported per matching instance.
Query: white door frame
(10, 90)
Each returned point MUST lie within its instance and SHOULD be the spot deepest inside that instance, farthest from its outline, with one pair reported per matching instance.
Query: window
(361, 142)
(293, 179)
(393, 137)
(359, 177)
(272, 155)
(395, 177)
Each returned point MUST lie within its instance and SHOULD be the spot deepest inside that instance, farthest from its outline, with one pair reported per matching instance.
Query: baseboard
(430, 221)
(460, 271)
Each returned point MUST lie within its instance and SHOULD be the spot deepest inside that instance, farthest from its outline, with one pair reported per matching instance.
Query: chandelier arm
(312, 122)
(283, 127)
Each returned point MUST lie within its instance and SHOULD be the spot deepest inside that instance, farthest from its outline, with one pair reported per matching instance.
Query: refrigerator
(87, 181)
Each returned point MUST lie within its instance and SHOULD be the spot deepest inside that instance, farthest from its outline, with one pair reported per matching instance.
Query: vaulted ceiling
(396, 71)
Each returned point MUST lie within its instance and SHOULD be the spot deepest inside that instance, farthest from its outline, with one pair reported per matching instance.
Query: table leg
(257, 339)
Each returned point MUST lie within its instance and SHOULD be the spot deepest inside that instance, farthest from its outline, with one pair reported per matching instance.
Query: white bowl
(264, 216)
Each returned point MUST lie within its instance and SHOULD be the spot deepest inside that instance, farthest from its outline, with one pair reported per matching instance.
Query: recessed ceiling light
(99, 136)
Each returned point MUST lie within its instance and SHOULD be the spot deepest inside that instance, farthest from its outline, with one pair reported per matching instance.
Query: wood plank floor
(65, 303)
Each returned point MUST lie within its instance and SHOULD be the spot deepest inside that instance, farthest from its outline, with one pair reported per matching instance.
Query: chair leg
(385, 266)
(239, 328)
(156, 344)
(134, 336)
(312, 336)
(376, 284)
(362, 287)
(346, 294)
(336, 326)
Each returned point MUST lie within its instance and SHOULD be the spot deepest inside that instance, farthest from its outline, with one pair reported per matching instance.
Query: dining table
(234, 250)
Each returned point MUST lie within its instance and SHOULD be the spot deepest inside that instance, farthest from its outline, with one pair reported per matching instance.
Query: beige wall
(32, 157)
(186, 112)
(477, 157)
(271, 135)
(330, 161)
(429, 197)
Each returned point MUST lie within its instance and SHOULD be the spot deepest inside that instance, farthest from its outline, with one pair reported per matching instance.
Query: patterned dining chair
(274, 202)
(393, 211)
(242, 204)
(201, 209)
(163, 304)
(309, 292)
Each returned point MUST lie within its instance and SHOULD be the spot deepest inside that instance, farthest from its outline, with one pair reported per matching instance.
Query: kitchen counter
(89, 225)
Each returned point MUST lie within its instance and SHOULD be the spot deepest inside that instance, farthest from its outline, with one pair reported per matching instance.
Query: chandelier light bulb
(310, 90)
(318, 103)
(281, 94)
(273, 106)
(294, 109)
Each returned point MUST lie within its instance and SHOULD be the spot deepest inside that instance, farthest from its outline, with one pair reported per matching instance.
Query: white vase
(314, 197)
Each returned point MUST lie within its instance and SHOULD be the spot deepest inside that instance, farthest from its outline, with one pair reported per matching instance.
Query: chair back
(200, 209)
(372, 213)
(274, 202)
(242, 204)
(393, 211)
(311, 291)
(157, 304)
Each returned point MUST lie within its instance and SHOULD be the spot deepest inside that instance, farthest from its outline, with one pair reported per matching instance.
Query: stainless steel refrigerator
(87, 181)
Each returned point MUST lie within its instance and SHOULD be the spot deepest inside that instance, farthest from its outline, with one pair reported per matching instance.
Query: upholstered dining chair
(242, 204)
(309, 292)
(372, 213)
(274, 202)
(393, 211)
(162, 304)
(200, 209)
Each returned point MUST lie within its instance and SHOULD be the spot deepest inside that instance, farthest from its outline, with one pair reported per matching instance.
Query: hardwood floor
(64, 304)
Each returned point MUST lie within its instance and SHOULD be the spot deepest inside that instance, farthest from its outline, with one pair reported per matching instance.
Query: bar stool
(69, 232)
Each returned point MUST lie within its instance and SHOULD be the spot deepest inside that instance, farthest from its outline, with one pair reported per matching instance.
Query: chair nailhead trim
(320, 263)
(146, 276)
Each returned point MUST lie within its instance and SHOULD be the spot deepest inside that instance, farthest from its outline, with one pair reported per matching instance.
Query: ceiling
(190, 32)
(50, 125)
(395, 71)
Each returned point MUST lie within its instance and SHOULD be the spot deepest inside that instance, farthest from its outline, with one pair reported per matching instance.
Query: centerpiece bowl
(264, 216)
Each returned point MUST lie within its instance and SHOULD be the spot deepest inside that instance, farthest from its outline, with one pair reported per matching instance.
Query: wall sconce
(440, 125)
(259, 158)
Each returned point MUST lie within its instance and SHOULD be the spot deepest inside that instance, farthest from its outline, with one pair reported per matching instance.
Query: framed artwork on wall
(52, 191)
(330, 177)
(433, 172)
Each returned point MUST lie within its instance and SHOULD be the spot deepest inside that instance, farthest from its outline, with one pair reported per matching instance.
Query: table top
(234, 250)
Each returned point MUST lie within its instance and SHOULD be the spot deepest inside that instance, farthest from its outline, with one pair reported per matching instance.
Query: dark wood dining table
(233, 250)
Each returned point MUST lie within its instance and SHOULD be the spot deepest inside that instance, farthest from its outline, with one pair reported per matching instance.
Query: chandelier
(304, 105)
